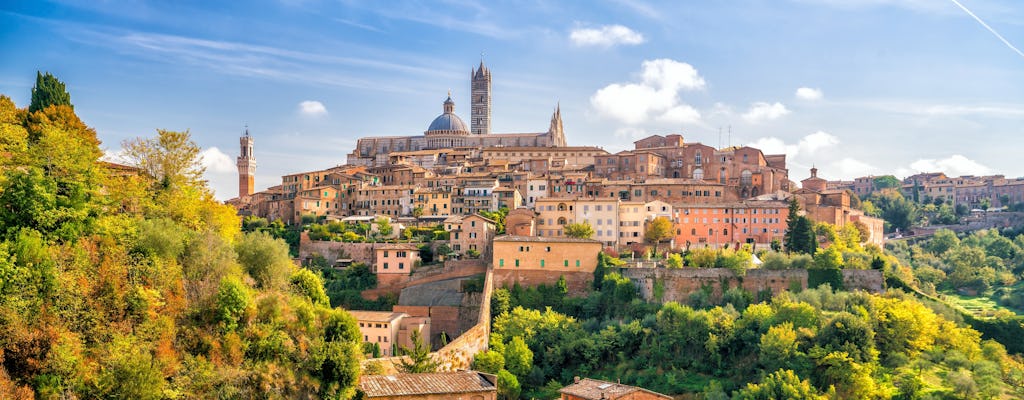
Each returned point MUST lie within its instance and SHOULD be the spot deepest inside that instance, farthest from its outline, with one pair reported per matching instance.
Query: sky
(853, 87)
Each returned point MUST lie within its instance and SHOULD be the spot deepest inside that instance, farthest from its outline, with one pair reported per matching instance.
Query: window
(385, 254)
(501, 262)
(566, 263)
(577, 263)
(385, 265)
(517, 262)
(401, 265)
(542, 263)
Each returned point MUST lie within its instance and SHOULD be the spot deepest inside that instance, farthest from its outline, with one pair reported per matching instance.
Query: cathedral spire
(480, 99)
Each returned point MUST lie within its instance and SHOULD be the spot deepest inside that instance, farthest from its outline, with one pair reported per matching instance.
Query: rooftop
(398, 246)
(542, 239)
(375, 316)
(428, 383)
(593, 389)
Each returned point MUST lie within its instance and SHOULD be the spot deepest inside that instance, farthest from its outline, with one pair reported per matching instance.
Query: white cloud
(762, 111)
(115, 156)
(850, 167)
(806, 93)
(954, 165)
(655, 96)
(681, 114)
(216, 161)
(312, 108)
(809, 144)
(607, 35)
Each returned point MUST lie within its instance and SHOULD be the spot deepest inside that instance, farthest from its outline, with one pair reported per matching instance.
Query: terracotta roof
(428, 383)
(593, 389)
(397, 246)
(375, 316)
(542, 239)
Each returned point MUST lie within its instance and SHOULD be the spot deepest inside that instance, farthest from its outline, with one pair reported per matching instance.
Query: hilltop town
(443, 219)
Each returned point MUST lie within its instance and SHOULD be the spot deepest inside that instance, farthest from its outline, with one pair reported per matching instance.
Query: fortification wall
(663, 285)
(577, 282)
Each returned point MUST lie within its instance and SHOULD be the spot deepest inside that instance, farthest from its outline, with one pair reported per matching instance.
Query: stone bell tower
(246, 167)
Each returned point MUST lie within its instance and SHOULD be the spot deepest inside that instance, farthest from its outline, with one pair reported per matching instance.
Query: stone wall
(459, 353)
(579, 283)
(864, 279)
(678, 284)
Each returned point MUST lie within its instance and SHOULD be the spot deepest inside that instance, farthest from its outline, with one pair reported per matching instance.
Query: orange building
(757, 222)
(553, 254)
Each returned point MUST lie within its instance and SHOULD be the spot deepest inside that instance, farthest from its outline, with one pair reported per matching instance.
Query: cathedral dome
(448, 122)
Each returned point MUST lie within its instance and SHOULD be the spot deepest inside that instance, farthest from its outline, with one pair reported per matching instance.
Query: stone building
(755, 222)
(449, 131)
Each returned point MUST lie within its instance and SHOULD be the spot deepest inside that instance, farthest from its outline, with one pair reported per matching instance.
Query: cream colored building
(394, 262)
(390, 330)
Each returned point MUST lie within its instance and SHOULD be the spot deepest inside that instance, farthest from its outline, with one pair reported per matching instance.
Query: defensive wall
(577, 282)
(664, 284)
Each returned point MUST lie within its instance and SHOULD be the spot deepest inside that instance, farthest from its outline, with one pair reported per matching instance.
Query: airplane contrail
(976, 18)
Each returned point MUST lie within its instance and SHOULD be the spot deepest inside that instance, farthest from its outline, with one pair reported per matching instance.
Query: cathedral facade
(449, 131)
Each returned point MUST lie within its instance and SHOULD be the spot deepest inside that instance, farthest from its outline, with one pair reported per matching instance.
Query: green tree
(384, 227)
(310, 285)
(172, 158)
(579, 230)
(674, 260)
(658, 230)
(265, 259)
(233, 302)
(942, 241)
(887, 182)
(508, 386)
(518, 357)
(418, 358)
(48, 91)
(799, 237)
(828, 258)
(781, 384)
(489, 361)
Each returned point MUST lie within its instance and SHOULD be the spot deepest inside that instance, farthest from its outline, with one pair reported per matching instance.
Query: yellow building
(433, 201)
(545, 253)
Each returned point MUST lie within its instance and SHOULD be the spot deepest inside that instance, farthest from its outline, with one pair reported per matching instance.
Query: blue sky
(854, 87)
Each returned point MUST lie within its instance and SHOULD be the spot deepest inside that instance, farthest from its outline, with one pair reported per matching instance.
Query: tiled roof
(550, 239)
(375, 316)
(398, 246)
(593, 389)
(428, 383)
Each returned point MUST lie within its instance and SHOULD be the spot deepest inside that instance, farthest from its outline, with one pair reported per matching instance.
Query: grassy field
(981, 306)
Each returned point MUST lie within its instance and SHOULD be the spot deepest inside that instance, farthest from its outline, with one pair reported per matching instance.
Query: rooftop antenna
(246, 129)
(719, 138)
(730, 136)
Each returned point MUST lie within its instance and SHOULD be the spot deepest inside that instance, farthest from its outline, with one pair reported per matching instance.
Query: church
(449, 131)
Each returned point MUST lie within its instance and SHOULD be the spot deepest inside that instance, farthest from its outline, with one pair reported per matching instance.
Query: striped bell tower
(246, 166)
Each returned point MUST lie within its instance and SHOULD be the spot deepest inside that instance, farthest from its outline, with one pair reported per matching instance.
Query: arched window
(746, 177)
(561, 206)
(722, 176)
(561, 221)
(696, 158)
(698, 174)
(675, 174)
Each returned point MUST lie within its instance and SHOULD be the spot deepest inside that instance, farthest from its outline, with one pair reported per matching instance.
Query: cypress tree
(48, 91)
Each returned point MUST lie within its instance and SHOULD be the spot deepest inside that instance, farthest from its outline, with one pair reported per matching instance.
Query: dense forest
(135, 283)
(812, 344)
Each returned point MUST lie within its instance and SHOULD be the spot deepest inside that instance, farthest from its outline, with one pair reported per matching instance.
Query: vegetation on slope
(125, 283)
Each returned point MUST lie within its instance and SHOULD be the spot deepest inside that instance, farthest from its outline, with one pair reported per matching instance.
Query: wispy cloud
(358, 25)
(989, 28)
(216, 161)
(251, 60)
(464, 16)
(605, 36)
